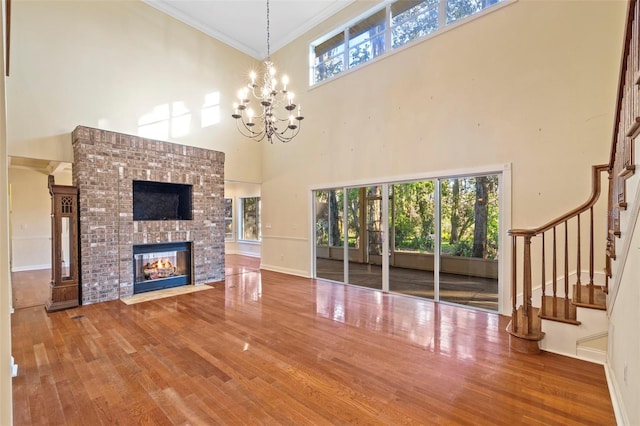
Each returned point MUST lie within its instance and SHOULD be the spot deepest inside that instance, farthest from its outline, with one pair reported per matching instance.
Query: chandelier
(266, 120)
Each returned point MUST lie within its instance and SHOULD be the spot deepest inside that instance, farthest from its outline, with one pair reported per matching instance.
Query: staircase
(561, 257)
(559, 301)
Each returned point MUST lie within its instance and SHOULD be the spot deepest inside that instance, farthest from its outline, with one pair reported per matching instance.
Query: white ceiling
(243, 23)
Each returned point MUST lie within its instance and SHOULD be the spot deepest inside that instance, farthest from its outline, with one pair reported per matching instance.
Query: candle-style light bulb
(252, 75)
(250, 115)
(285, 81)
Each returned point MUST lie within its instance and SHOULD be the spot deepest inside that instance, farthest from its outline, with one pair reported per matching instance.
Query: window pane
(250, 219)
(336, 225)
(353, 216)
(414, 22)
(469, 212)
(322, 218)
(458, 9)
(228, 218)
(414, 220)
(329, 58)
(366, 39)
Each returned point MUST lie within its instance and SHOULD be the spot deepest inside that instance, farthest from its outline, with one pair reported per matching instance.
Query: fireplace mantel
(105, 165)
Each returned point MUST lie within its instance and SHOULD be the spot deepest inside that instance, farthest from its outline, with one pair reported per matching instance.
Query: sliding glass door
(469, 241)
(435, 238)
(414, 239)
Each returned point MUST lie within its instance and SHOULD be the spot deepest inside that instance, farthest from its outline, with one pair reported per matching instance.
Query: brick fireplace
(106, 164)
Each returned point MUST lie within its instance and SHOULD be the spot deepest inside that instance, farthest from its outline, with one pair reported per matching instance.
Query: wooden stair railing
(525, 327)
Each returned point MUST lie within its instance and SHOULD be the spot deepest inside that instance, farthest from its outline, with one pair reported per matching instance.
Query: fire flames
(161, 268)
(160, 264)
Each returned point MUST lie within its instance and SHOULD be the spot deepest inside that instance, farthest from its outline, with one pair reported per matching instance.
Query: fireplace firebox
(160, 266)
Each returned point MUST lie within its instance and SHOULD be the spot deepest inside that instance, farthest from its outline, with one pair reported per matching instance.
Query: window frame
(228, 218)
(442, 6)
(242, 216)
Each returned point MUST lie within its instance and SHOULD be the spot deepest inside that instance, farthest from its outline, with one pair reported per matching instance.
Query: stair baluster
(525, 327)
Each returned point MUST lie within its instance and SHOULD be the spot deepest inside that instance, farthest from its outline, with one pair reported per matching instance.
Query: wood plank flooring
(269, 348)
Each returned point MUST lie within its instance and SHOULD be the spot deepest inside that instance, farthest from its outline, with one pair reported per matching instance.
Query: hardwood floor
(269, 348)
(30, 288)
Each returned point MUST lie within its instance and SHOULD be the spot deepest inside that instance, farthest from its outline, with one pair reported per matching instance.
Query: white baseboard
(31, 267)
(616, 397)
(296, 272)
(242, 253)
(14, 368)
(596, 356)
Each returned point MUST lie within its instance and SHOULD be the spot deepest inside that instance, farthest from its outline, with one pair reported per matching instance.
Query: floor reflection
(478, 292)
(430, 325)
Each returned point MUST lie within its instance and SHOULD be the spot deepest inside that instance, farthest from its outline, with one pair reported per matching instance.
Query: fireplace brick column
(105, 165)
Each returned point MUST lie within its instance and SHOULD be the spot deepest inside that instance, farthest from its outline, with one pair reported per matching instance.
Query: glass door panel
(413, 224)
(469, 241)
(329, 228)
(365, 266)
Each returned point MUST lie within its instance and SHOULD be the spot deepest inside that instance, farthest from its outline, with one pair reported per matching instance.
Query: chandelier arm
(247, 132)
(287, 138)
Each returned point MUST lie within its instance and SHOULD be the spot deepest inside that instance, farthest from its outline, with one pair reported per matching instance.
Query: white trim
(31, 267)
(289, 271)
(616, 396)
(243, 253)
(597, 356)
(32, 237)
(14, 368)
(428, 175)
(312, 233)
(505, 253)
(283, 237)
(634, 219)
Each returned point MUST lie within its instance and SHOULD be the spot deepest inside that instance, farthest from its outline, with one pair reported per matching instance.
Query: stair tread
(598, 300)
(559, 309)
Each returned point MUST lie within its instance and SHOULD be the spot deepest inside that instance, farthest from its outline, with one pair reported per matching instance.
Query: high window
(250, 223)
(381, 30)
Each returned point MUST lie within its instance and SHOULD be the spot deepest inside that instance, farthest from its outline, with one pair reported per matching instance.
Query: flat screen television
(161, 201)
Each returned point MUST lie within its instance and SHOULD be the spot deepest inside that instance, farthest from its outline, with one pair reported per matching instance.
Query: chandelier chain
(268, 34)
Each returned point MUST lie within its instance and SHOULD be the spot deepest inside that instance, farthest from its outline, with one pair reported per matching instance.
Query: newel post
(525, 326)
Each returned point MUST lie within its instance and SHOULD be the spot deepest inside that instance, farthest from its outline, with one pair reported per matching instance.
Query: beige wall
(30, 218)
(107, 64)
(532, 84)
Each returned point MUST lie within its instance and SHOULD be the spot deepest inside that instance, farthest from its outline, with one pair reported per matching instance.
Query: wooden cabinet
(65, 288)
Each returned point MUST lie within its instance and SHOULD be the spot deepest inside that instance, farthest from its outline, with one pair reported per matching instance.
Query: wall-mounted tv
(161, 201)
